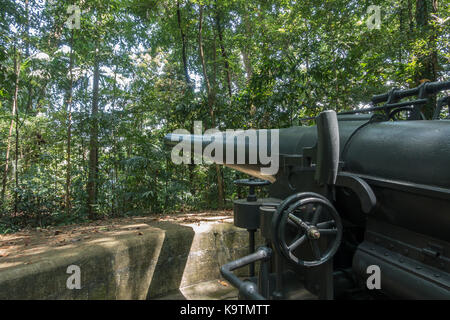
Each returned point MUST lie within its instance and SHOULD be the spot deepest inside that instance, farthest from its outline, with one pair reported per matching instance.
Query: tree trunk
(183, 45)
(13, 113)
(68, 204)
(27, 54)
(16, 161)
(188, 83)
(246, 49)
(247, 65)
(115, 161)
(92, 186)
(428, 64)
(224, 54)
(410, 18)
(246, 57)
(210, 104)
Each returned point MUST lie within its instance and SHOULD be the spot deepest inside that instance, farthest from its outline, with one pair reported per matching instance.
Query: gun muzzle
(255, 152)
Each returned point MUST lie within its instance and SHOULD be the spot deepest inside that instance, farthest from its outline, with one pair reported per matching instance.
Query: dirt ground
(20, 245)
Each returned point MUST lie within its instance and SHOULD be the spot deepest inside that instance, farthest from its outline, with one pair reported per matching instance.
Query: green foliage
(285, 60)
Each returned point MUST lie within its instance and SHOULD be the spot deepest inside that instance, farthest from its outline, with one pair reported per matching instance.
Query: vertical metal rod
(251, 246)
(326, 291)
(263, 281)
(278, 294)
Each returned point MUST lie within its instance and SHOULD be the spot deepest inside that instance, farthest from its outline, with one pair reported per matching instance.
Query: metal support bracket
(360, 187)
(246, 288)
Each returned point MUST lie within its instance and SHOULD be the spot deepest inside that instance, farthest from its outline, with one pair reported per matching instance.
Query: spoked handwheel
(307, 222)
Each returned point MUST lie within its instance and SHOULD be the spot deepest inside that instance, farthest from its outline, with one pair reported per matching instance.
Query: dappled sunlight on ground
(27, 246)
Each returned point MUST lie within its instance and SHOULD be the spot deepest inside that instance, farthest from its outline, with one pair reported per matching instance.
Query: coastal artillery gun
(359, 206)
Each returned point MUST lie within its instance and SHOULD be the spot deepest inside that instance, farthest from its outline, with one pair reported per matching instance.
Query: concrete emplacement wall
(164, 258)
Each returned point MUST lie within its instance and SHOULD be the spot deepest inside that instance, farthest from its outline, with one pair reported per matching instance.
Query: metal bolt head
(313, 233)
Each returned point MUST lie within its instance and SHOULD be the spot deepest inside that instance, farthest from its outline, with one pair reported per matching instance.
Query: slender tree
(427, 62)
(13, 119)
(183, 44)
(92, 185)
(69, 95)
(224, 52)
(211, 101)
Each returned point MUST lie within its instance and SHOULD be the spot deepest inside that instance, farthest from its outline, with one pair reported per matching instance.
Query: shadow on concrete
(119, 266)
(173, 257)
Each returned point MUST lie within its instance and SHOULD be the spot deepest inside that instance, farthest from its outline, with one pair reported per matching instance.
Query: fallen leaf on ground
(225, 284)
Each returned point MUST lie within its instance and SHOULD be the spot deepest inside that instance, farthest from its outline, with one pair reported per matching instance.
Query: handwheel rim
(284, 204)
(280, 222)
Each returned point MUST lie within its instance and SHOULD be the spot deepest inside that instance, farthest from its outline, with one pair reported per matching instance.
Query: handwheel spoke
(309, 211)
(292, 208)
(315, 248)
(326, 224)
(307, 217)
(292, 223)
(316, 215)
(328, 232)
(299, 222)
(297, 242)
